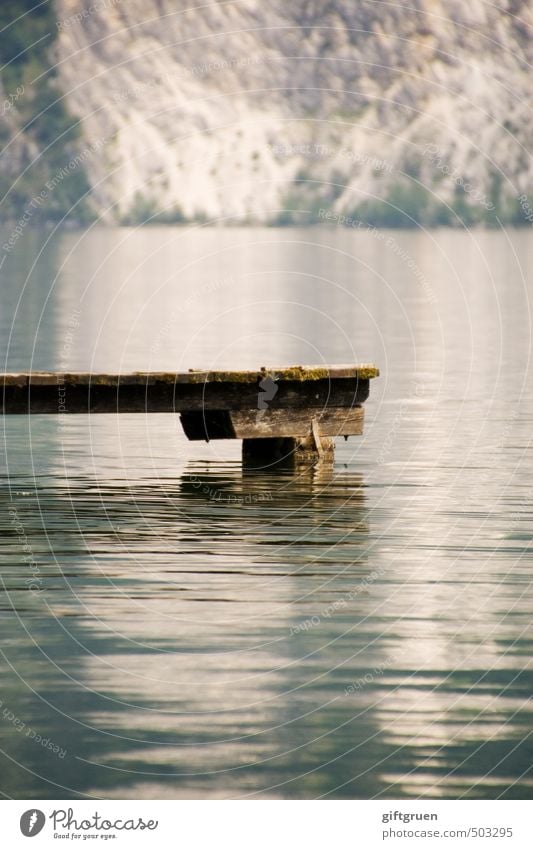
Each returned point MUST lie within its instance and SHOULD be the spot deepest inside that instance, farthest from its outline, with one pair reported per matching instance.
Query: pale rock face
(234, 111)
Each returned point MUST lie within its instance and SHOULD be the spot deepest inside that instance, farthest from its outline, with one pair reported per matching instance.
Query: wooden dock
(278, 412)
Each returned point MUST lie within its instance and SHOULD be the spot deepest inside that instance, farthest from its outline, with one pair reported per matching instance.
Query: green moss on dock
(296, 374)
(223, 377)
(367, 372)
(301, 373)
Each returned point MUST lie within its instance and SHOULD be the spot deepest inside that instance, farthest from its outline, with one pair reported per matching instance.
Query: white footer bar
(268, 824)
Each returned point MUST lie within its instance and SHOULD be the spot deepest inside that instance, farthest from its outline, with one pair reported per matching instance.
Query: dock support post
(288, 451)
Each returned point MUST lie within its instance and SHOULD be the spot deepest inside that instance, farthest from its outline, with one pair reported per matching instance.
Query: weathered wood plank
(263, 424)
(331, 421)
(163, 392)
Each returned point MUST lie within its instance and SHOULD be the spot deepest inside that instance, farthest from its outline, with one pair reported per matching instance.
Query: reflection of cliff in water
(223, 634)
(162, 640)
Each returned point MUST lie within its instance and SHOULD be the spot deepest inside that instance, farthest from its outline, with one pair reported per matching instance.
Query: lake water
(363, 631)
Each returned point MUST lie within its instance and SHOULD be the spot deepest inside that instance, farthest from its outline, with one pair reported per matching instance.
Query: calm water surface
(172, 626)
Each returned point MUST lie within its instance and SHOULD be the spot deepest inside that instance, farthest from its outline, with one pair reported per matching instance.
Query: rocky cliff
(295, 111)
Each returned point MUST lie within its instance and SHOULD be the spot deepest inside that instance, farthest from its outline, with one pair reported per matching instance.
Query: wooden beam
(168, 392)
(257, 424)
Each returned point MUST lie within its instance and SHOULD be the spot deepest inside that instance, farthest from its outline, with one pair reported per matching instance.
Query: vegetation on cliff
(38, 137)
(394, 114)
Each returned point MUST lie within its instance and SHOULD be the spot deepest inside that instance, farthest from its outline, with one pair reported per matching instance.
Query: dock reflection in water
(196, 633)
(230, 634)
